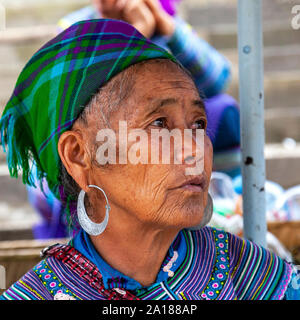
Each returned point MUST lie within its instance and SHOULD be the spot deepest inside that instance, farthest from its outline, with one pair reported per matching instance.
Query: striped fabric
(217, 265)
(210, 69)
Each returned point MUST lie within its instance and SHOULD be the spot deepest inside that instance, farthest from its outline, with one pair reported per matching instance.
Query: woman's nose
(191, 152)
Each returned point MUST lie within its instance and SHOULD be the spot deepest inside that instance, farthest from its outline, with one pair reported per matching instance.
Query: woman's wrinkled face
(158, 194)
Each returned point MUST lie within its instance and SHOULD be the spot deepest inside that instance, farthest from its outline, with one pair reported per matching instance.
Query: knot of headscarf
(56, 84)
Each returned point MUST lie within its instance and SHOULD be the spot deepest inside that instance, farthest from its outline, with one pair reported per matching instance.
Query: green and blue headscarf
(56, 84)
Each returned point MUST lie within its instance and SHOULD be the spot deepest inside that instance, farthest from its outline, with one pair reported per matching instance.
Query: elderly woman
(159, 21)
(140, 230)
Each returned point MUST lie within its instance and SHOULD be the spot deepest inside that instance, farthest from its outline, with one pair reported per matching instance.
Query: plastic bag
(287, 206)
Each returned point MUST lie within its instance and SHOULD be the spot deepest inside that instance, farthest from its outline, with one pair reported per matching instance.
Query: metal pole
(251, 91)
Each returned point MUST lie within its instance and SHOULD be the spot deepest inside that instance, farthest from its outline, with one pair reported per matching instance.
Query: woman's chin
(189, 218)
(194, 221)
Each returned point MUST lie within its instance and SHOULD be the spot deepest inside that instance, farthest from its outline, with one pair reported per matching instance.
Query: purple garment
(50, 210)
(216, 108)
(170, 6)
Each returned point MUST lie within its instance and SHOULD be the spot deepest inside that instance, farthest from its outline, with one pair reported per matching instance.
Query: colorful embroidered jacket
(215, 265)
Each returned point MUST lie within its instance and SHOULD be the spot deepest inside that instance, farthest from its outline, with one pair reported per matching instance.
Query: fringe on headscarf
(20, 156)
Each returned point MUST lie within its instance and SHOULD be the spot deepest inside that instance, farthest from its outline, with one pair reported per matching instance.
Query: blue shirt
(113, 278)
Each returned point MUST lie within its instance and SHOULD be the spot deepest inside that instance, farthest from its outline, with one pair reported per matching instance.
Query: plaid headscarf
(55, 85)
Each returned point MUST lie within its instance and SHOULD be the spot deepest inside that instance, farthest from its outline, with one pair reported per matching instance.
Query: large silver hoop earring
(207, 214)
(92, 228)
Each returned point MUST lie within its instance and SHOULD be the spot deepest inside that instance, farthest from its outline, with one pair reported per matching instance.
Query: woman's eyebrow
(159, 103)
(199, 103)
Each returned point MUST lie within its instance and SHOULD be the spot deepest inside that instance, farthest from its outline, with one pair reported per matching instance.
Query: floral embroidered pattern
(51, 281)
(62, 296)
(221, 267)
(168, 266)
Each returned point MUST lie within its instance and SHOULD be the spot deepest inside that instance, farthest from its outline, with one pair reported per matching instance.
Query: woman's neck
(134, 248)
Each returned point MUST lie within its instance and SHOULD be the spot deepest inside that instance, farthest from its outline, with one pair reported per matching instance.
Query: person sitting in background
(158, 21)
(210, 70)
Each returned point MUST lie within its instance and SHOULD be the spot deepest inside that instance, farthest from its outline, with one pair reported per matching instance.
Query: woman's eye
(161, 122)
(200, 124)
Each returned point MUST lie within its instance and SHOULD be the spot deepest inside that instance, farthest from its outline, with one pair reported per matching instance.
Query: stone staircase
(30, 26)
(217, 23)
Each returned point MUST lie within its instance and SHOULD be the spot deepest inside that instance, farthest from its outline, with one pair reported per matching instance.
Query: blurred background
(30, 23)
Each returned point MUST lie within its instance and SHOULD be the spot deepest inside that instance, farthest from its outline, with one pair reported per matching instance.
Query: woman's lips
(197, 184)
(192, 187)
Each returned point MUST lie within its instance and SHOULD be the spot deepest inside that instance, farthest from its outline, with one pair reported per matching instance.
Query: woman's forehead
(149, 86)
(166, 89)
(154, 79)
(161, 85)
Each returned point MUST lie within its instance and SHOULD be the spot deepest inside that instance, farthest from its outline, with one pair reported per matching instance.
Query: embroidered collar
(113, 278)
(216, 265)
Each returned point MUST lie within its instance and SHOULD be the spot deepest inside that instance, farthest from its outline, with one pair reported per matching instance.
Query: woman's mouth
(197, 184)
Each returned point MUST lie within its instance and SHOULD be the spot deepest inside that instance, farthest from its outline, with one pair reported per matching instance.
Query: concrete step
(276, 58)
(199, 13)
(282, 123)
(215, 20)
(15, 53)
(283, 164)
(16, 214)
(225, 36)
(36, 12)
(220, 36)
(16, 232)
(211, 13)
(281, 89)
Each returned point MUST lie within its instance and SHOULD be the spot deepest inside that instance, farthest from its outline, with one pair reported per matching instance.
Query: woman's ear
(72, 152)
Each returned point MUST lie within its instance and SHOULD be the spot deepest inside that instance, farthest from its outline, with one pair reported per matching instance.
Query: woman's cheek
(208, 156)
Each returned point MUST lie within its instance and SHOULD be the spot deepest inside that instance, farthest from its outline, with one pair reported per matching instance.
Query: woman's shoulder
(267, 274)
(63, 274)
(239, 249)
(51, 279)
(208, 235)
(255, 272)
(48, 280)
